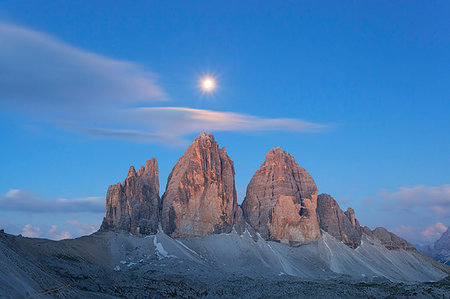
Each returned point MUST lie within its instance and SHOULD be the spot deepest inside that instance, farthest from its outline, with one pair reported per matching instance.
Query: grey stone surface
(111, 265)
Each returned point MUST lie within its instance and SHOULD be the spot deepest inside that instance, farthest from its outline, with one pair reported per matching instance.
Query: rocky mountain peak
(131, 172)
(281, 200)
(441, 250)
(134, 205)
(350, 213)
(342, 226)
(200, 197)
(443, 243)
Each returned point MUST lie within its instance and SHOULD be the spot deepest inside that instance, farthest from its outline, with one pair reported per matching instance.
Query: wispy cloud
(171, 123)
(92, 94)
(37, 70)
(17, 200)
(434, 199)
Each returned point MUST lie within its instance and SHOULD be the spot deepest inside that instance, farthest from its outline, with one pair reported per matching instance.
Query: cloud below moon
(169, 124)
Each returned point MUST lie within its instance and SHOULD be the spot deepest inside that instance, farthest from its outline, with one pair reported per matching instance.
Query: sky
(357, 92)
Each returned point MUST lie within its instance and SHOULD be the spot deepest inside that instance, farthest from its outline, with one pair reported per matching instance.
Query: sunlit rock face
(200, 197)
(342, 226)
(133, 206)
(281, 200)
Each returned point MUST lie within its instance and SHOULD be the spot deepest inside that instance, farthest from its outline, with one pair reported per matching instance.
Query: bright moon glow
(208, 84)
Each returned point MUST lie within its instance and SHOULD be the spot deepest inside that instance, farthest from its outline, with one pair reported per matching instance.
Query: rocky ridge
(281, 203)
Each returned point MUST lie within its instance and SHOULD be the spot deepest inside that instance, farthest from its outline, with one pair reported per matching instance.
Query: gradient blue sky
(357, 92)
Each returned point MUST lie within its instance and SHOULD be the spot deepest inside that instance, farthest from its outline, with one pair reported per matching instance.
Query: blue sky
(358, 93)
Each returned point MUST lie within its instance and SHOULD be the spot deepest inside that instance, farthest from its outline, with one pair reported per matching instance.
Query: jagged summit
(204, 135)
(134, 205)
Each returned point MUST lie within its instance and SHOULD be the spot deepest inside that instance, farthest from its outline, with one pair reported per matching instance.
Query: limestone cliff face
(281, 200)
(200, 197)
(342, 226)
(133, 206)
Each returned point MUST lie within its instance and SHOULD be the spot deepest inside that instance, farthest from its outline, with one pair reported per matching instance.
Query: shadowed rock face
(200, 197)
(281, 200)
(441, 250)
(134, 205)
(342, 226)
(443, 243)
(390, 240)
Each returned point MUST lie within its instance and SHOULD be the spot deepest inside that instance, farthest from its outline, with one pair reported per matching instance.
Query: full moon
(208, 84)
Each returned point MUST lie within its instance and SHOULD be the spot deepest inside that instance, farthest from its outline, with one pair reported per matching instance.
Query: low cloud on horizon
(94, 95)
(420, 235)
(57, 219)
(21, 201)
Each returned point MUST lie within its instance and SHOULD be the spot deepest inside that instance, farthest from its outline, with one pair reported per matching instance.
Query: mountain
(133, 206)
(342, 226)
(281, 200)
(196, 241)
(200, 197)
(441, 249)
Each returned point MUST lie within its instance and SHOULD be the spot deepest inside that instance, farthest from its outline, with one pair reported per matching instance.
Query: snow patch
(160, 251)
(325, 241)
(187, 248)
(117, 268)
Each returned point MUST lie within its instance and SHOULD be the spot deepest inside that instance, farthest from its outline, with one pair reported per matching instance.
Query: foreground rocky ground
(114, 265)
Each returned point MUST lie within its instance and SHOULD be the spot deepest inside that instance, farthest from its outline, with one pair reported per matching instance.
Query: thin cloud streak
(17, 200)
(170, 124)
(195, 120)
(130, 135)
